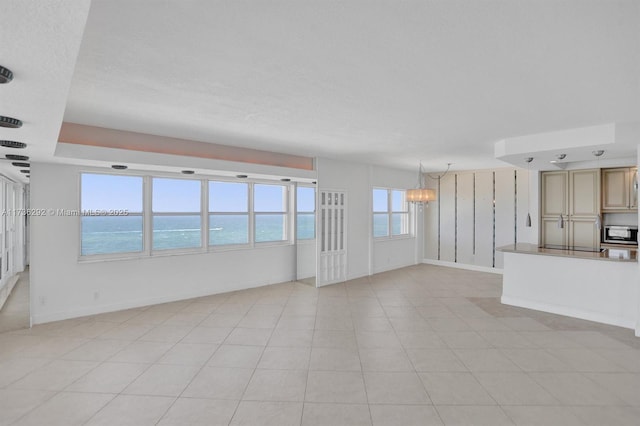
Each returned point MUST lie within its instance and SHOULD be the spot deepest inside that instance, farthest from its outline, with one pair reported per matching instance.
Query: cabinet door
(583, 233)
(585, 192)
(615, 189)
(551, 234)
(633, 188)
(554, 193)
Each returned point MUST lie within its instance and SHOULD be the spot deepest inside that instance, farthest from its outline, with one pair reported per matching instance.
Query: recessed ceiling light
(119, 167)
(242, 176)
(13, 144)
(16, 157)
(19, 164)
(285, 180)
(11, 123)
(25, 171)
(188, 172)
(561, 156)
(5, 75)
(598, 152)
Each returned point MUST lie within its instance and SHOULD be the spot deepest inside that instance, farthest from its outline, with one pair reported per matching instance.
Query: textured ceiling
(39, 42)
(383, 82)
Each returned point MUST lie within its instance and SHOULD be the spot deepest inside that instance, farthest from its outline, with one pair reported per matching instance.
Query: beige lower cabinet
(574, 195)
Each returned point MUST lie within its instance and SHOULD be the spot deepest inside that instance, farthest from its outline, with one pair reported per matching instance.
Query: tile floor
(422, 345)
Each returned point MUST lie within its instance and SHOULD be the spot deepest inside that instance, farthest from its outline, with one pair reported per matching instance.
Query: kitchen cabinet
(575, 196)
(620, 189)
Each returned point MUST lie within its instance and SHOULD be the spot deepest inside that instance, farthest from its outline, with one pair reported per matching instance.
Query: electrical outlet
(96, 295)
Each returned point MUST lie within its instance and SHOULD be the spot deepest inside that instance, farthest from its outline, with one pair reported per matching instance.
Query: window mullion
(204, 213)
(390, 211)
(147, 214)
(252, 215)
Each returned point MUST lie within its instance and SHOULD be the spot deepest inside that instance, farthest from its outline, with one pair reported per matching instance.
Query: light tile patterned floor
(423, 345)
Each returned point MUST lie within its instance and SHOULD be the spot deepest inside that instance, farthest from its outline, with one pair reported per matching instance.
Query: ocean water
(381, 224)
(122, 234)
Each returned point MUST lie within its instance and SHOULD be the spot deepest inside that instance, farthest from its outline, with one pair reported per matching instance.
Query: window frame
(306, 212)
(389, 212)
(153, 215)
(224, 247)
(114, 255)
(147, 215)
(285, 214)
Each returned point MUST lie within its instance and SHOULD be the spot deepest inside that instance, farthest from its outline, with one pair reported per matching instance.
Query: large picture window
(270, 209)
(111, 214)
(228, 213)
(150, 215)
(390, 213)
(177, 221)
(306, 213)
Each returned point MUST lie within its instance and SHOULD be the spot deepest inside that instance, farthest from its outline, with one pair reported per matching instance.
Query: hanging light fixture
(598, 153)
(420, 194)
(528, 222)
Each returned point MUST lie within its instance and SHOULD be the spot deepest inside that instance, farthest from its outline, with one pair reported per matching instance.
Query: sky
(104, 192)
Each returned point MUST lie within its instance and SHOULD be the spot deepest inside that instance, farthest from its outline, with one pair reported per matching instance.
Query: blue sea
(381, 224)
(122, 234)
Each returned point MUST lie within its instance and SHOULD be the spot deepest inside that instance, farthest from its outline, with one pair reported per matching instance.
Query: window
(380, 213)
(228, 213)
(390, 213)
(270, 209)
(399, 213)
(177, 221)
(305, 210)
(111, 214)
(151, 215)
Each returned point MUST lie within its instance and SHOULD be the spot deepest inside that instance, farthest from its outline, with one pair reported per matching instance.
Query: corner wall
(366, 255)
(62, 287)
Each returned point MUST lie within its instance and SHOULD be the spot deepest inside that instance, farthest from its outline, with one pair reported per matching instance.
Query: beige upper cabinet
(619, 189)
(633, 188)
(555, 186)
(584, 192)
(574, 195)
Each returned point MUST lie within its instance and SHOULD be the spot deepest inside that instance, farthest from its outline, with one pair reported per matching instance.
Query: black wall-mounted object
(9, 122)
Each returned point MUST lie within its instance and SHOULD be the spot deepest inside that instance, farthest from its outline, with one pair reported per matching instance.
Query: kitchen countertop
(608, 253)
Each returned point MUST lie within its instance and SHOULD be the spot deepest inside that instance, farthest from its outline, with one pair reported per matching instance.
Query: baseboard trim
(569, 312)
(463, 266)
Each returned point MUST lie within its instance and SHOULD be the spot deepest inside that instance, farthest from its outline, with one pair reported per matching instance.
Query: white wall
(364, 255)
(62, 287)
(596, 290)
(459, 226)
(305, 259)
(394, 253)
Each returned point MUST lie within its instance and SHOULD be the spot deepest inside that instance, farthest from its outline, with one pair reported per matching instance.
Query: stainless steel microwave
(620, 234)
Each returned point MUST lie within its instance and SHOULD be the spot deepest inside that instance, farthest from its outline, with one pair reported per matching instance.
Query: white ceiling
(382, 82)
